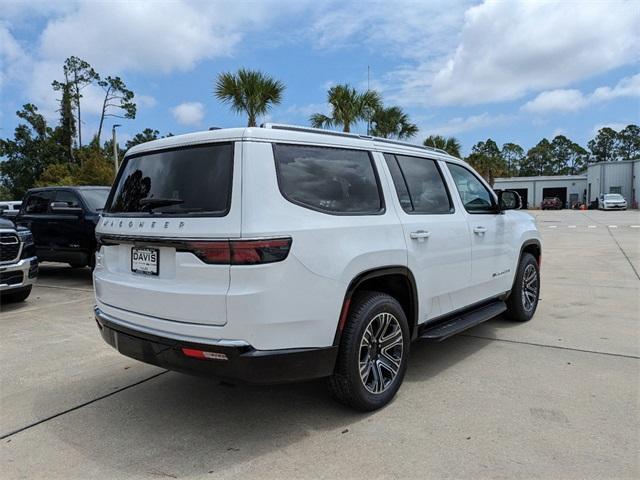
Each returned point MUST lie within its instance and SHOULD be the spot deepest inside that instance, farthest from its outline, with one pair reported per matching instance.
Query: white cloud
(464, 124)
(152, 36)
(572, 100)
(507, 49)
(556, 100)
(146, 101)
(189, 113)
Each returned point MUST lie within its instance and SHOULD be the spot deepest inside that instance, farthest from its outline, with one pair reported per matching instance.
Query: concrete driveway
(558, 397)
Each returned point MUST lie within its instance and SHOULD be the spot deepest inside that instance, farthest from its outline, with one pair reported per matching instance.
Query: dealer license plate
(145, 260)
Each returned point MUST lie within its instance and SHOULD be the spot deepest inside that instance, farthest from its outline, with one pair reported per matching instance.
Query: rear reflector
(203, 355)
(240, 252)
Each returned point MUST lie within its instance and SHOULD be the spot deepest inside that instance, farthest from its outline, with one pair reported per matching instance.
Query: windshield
(95, 198)
(613, 196)
(193, 180)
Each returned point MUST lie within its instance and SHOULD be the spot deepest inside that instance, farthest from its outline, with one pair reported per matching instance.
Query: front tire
(373, 354)
(523, 300)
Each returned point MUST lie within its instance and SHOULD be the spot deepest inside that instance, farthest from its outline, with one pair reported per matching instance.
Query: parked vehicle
(63, 221)
(18, 262)
(9, 209)
(551, 203)
(611, 201)
(286, 253)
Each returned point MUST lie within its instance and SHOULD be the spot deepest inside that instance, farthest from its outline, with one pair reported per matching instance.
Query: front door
(35, 215)
(492, 252)
(437, 236)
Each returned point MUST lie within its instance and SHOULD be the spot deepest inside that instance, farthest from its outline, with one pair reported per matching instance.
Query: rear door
(69, 239)
(492, 252)
(165, 205)
(437, 235)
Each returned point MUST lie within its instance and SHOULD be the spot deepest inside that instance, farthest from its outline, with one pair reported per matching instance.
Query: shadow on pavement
(180, 425)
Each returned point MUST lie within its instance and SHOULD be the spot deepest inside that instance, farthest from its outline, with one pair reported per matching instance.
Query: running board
(449, 327)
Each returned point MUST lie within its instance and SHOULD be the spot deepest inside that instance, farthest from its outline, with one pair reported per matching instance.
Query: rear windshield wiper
(148, 204)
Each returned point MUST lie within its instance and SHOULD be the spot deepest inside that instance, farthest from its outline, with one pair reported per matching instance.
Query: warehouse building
(606, 177)
(569, 189)
(615, 177)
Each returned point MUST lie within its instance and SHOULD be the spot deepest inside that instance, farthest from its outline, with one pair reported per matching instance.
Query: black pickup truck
(63, 221)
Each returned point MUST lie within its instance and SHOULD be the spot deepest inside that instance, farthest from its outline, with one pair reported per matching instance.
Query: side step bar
(452, 325)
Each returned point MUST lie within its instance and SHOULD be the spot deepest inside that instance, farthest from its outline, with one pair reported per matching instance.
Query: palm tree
(451, 145)
(250, 92)
(392, 122)
(348, 106)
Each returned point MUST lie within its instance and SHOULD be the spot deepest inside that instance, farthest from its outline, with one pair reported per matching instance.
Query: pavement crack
(625, 255)
(77, 407)
(557, 347)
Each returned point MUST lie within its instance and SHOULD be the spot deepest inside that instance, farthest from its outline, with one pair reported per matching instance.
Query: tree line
(40, 154)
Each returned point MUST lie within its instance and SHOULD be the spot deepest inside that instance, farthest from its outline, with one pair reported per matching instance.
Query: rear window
(184, 181)
(95, 198)
(332, 180)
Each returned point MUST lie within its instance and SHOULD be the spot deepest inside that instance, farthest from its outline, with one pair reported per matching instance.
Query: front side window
(184, 181)
(419, 184)
(475, 197)
(38, 202)
(332, 180)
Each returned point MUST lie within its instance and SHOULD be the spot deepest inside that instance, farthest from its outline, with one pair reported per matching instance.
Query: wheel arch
(532, 246)
(397, 281)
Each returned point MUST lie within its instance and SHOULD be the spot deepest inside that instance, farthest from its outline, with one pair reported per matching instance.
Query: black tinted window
(419, 184)
(69, 198)
(194, 180)
(95, 198)
(38, 202)
(331, 179)
(473, 193)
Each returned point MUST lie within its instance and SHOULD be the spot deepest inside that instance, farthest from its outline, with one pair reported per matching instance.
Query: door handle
(479, 230)
(420, 235)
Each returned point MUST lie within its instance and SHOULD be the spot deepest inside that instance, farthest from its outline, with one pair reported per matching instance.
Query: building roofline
(541, 177)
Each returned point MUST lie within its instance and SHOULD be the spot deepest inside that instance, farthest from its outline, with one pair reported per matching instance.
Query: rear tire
(523, 300)
(373, 354)
(15, 296)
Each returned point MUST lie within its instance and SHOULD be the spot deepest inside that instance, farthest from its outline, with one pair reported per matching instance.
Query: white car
(611, 201)
(10, 209)
(285, 253)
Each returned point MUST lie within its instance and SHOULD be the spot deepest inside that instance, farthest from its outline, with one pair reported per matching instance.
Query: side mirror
(64, 208)
(509, 200)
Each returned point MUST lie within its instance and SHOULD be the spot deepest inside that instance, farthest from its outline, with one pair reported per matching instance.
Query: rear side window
(185, 181)
(67, 197)
(332, 180)
(419, 184)
(38, 202)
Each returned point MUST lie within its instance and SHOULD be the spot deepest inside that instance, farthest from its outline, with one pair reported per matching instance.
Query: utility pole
(368, 113)
(115, 146)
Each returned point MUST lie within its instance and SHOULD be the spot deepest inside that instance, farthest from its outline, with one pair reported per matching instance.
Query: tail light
(240, 252)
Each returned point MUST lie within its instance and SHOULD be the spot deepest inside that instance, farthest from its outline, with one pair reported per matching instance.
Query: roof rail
(299, 128)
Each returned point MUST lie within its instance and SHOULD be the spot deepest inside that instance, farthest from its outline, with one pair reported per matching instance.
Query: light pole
(115, 146)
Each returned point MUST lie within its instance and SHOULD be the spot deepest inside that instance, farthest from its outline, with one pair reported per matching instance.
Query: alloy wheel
(381, 350)
(529, 287)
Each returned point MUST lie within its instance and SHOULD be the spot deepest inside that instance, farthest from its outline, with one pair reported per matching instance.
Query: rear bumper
(244, 363)
(18, 275)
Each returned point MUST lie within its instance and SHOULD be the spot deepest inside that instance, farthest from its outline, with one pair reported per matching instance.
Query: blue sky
(512, 71)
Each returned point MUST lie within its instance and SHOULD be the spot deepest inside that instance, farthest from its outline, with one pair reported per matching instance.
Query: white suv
(284, 253)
